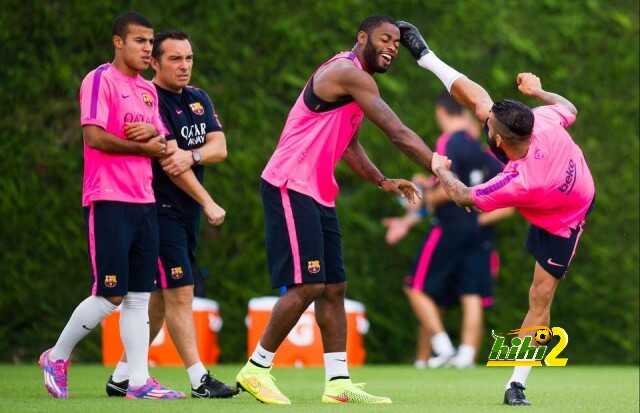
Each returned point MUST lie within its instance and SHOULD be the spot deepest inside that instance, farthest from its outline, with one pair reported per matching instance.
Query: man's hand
(529, 84)
(139, 131)
(155, 147)
(403, 188)
(214, 213)
(178, 162)
(397, 229)
(411, 38)
(439, 161)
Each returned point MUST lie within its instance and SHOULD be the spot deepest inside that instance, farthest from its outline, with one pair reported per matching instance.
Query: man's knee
(335, 292)
(541, 295)
(116, 300)
(178, 297)
(306, 293)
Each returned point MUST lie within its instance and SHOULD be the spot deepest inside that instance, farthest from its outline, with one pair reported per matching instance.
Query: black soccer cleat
(411, 38)
(514, 395)
(213, 389)
(117, 389)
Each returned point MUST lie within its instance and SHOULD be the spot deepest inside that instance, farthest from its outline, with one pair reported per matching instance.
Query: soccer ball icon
(543, 336)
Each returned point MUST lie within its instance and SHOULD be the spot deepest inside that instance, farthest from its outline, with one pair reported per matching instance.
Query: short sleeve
(555, 113)
(503, 190)
(95, 99)
(212, 121)
(157, 119)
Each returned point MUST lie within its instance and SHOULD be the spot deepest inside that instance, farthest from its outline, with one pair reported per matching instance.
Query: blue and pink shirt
(551, 186)
(311, 144)
(109, 99)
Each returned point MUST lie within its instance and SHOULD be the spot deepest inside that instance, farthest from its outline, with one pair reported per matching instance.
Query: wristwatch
(195, 155)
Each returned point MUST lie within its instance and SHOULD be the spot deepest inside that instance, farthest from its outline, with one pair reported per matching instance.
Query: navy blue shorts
(451, 264)
(552, 252)
(123, 247)
(178, 242)
(302, 237)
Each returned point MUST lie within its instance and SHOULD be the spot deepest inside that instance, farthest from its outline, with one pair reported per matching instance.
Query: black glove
(411, 38)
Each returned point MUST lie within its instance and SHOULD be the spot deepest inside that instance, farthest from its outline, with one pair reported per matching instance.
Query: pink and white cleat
(55, 375)
(153, 390)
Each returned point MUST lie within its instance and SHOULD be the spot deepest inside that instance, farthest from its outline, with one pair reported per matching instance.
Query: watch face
(196, 156)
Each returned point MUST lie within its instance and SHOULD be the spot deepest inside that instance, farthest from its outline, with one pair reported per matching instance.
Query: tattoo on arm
(459, 192)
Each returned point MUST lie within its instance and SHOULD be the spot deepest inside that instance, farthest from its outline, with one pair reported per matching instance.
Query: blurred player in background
(299, 191)
(120, 210)
(196, 139)
(546, 178)
(454, 262)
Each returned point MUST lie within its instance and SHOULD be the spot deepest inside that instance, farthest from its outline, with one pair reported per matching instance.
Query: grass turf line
(574, 388)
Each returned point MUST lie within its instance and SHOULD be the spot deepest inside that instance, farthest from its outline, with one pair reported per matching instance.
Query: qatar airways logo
(130, 117)
(569, 178)
(194, 134)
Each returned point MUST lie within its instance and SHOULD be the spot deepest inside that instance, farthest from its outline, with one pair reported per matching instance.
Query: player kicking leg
(553, 189)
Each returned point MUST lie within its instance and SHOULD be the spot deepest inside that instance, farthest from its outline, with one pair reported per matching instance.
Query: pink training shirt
(311, 144)
(109, 99)
(551, 186)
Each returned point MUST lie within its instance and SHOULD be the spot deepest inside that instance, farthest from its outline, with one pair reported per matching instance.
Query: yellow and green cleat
(258, 382)
(344, 391)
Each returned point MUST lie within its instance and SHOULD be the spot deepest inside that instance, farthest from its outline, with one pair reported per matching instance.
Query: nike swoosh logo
(344, 361)
(550, 262)
(86, 328)
(262, 355)
(179, 112)
(206, 393)
(125, 96)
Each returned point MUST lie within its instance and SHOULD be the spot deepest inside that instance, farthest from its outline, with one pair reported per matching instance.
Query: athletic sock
(466, 354)
(335, 366)
(443, 71)
(134, 332)
(121, 373)
(441, 344)
(262, 357)
(195, 373)
(520, 374)
(87, 315)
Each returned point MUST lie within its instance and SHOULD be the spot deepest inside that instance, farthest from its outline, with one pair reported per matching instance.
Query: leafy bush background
(253, 58)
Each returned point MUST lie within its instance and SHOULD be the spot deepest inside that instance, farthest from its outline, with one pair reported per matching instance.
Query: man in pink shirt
(122, 131)
(546, 178)
(299, 190)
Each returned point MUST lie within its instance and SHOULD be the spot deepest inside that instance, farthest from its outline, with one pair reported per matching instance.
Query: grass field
(574, 388)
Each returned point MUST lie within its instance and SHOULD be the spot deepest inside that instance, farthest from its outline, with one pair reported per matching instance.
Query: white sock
(441, 344)
(134, 333)
(335, 365)
(262, 357)
(520, 374)
(195, 373)
(121, 373)
(443, 71)
(87, 315)
(466, 354)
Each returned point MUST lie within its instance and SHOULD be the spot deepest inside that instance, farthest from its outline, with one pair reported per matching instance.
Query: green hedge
(253, 58)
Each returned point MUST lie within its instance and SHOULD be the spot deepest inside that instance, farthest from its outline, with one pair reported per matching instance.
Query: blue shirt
(189, 116)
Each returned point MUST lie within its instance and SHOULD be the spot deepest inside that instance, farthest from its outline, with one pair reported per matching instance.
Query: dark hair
(162, 36)
(122, 22)
(515, 118)
(372, 22)
(449, 104)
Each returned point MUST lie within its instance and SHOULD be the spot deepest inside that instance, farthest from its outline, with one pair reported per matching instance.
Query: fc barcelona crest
(110, 281)
(147, 99)
(313, 266)
(176, 273)
(197, 108)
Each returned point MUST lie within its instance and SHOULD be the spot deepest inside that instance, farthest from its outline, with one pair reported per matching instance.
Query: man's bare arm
(492, 217)
(457, 191)
(97, 138)
(361, 86)
(213, 151)
(357, 159)
(530, 85)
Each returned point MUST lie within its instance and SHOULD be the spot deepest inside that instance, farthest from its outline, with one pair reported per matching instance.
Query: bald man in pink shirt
(546, 178)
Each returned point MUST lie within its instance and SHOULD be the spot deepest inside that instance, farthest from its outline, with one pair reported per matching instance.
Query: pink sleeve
(557, 114)
(157, 119)
(503, 190)
(94, 99)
